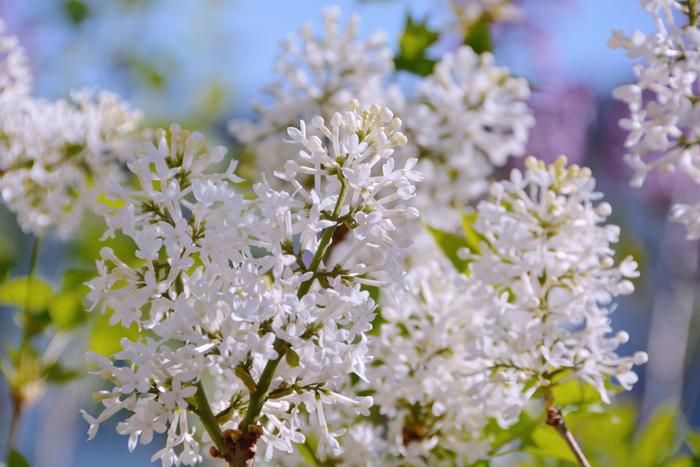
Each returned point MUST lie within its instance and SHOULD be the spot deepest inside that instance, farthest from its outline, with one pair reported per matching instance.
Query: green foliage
(414, 42)
(478, 36)
(58, 374)
(15, 459)
(146, 72)
(548, 443)
(77, 11)
(659, 439)
(607, 436)
(451, 243)
(471, 236)
(35, 294)
(378, 318)
(520, 432)
(67, 310)
(105, 339)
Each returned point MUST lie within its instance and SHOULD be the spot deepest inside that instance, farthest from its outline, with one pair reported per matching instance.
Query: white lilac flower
(471, 117)
(425, 363)
(547, 256)
(56, 156)
(245, 295)
(470, 11)
(15, 74)
(663, 102)
(317, 74)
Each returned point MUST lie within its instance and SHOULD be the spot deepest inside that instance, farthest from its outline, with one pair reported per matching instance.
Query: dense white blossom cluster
(548, 258)
(457, 350)
(246, 295)
(425, 364)
(55, 156)
(317, 75)
(663, 123)
(468, 116)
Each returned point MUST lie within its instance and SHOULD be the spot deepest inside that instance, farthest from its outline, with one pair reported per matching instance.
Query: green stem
(326, 238)
(30, 276)
(692, 14)
(16, 393)
(259, 396)
(203, 411)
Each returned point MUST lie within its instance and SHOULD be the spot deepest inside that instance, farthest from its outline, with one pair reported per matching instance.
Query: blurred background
(202, 62)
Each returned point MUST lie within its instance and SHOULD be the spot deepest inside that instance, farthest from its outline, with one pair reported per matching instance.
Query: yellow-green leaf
(67, 310)
(549, 443)
(105, 339)
(35, 293)
(450, 244)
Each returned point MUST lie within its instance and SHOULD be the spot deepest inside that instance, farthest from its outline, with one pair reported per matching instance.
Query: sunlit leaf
(105, 339)
(478, 36)
(77, 11)
(450, 244)
(471, 236)
(549, 443)
(56, 373)
(414, 42)
(35, 294)
(656, 441)
(15, 459)
(67, 310)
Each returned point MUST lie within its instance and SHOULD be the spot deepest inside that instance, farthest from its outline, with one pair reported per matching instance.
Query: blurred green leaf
(146, 72)
(56, 373)
(77, 11)
(478, 36)
(105, 339)
(574, 392)
(656, 442)
(450, 244)
(414, 42)
(548, 443)
(692, 439)
(15, 459)
(67, 310)
(521, 431)
(471, 236)
(681, 462)
(35, 293)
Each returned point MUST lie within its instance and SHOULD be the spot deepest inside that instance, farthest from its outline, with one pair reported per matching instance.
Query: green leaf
(146, 72)
(692, 439)
(471, 236)
(574, 392)
(76, 10)
(548, 443)
(657, 440)
(67, 310)
(414, 42)
(478, 36)
(56, 373)
(15, 459)
(105, 339)
(35, 293)
(450, 244)
(681, 462)
(521, 430)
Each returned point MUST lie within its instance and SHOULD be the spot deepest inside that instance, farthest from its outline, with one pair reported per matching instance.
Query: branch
(555, 419)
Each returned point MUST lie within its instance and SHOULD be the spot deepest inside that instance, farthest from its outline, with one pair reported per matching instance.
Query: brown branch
(555, 419)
